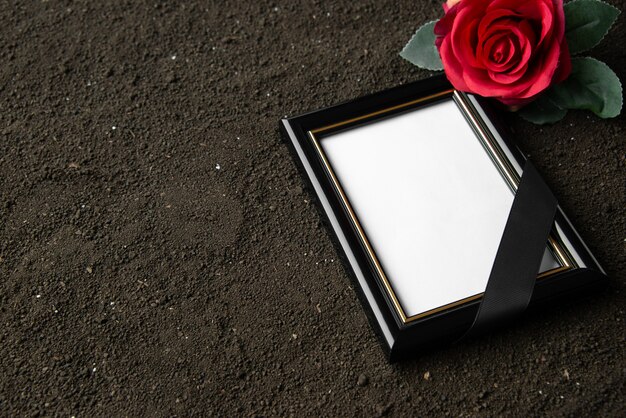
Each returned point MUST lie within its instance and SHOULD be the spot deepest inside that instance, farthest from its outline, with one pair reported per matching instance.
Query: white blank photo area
(431, 202)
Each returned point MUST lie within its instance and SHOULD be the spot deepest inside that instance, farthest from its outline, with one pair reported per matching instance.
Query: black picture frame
(403, 336)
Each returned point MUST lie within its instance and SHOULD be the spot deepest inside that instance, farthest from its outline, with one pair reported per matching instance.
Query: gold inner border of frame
(491, 147)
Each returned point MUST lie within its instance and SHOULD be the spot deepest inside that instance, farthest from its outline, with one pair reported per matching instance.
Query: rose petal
(507, 78)
(505, 46)
(482, 84)
(493, 17)
(565, 64)
(542, 72)
(452, 67)
(542, 12)
(464, 36)
(524, 36)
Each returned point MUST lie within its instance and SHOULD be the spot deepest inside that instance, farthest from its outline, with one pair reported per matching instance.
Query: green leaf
(592, 86)
(421, 49)
(587, 22)
(542, 111)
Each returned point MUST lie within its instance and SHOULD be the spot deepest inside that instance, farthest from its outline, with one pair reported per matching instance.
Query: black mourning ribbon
(519, 255)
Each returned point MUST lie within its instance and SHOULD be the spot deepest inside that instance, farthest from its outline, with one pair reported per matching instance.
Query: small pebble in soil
(427, 376)
(383, 410)
(362, 380)
(218, 167)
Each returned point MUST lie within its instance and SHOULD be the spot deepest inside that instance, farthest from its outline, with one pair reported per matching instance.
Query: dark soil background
(160, 254)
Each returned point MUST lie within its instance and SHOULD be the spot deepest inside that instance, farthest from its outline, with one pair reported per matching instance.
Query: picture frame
(416, 183)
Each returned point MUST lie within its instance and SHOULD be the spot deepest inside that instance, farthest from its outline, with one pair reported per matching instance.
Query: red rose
(508, 49)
